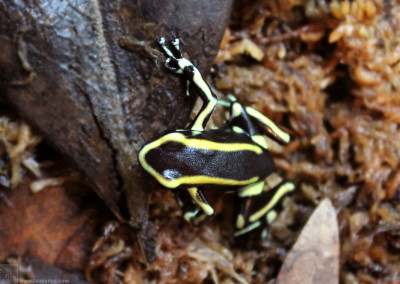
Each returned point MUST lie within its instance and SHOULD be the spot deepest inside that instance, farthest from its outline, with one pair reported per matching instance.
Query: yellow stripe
(285, 188)
(211, 101)
(252, 189)
(269, 123)
(202, 144)
(199, 180)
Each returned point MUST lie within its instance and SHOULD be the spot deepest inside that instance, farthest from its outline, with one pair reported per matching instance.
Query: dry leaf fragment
(246, 46)
(315, 256)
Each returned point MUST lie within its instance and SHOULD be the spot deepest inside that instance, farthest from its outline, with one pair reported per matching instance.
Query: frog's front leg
(258, 207)
(180, 65)
(194, 205)
(171, 63)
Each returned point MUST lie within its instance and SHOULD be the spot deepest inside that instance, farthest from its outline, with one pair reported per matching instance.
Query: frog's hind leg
(241, 122)
(268, 126)
(258, 207)
(194, 205)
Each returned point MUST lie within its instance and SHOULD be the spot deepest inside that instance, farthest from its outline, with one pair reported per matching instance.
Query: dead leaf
(314, 257)
(58, 225)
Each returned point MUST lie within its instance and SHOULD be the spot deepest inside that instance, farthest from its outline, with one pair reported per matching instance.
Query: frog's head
(160, 158)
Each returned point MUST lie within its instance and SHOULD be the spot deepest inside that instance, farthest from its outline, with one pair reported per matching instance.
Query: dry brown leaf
(315, 256)
(57, 225)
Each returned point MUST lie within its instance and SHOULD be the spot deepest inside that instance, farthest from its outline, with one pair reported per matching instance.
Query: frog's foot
(261, 207)
(174, 56)
(232, 98)
(228, 104)
(194, 206)
(169, 52)
(195, 217)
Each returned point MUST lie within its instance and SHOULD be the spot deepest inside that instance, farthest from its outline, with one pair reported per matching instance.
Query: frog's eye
(172, 147)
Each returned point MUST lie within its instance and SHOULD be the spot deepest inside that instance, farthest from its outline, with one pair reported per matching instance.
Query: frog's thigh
(252, 189)
(200, 200)
(266, 204)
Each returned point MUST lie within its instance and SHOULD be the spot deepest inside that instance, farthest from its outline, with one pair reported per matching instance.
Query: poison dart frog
(235, 156)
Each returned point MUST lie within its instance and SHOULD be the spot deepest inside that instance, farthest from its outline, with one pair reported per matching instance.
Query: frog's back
(220, 156)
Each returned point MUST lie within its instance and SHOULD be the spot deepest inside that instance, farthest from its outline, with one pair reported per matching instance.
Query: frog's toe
(172, 65)
(248, 228)
(195, 217)
(231, 97)
(161, 41)
(175, 43)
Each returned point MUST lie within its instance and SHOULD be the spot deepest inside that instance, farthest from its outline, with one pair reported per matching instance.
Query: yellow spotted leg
(261, 208)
